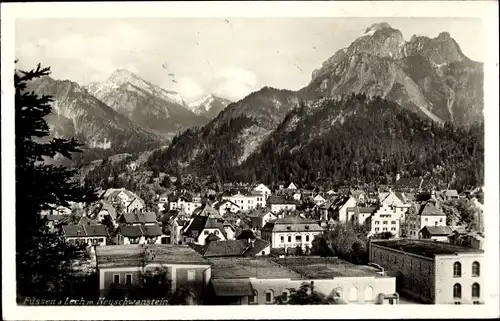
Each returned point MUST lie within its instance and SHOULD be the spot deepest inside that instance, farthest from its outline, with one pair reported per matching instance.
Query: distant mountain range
(427, 76)
(122, 114)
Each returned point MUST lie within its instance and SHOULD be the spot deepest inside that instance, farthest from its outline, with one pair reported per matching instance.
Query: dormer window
(307, 227)
(288, 227)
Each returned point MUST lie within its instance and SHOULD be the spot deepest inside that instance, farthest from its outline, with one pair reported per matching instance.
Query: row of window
(457, 269)
(298, 238)
(384, 222)
(384, 229)
(353, 295)
(457, 291)
(128, 277)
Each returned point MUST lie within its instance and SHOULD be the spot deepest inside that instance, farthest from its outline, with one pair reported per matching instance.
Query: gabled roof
(277, 199)
(85, 230)
(340, 202)
(109, 208)
(141, 217)
(206, 210)
(201, 222)
(437, 230)
(219, 204)
(212, 237)
(140, 230)
(292, 224)
(428, 209)
(261, 213)
(135, 255)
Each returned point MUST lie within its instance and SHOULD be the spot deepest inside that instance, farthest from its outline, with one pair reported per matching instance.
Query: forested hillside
(367, 140)
(352, 139)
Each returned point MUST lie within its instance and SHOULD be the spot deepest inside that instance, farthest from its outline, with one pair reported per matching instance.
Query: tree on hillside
(43, 259)
(245, 234)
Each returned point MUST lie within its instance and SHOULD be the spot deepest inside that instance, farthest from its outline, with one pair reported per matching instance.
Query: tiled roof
(219, 204)
(212, 237)
(237, 268)
(292, 224)
(425, 248)
(140, 230)
(275, 199)
(141, 217)
(428, 209)
(259, 245)
(201, 222)
(134, 255)
(85, 231)
(206, 210)
(438, 230)
(232, 287)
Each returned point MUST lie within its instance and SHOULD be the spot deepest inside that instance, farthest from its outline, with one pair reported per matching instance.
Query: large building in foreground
(121, 266)
(432, 272)
(261, 281)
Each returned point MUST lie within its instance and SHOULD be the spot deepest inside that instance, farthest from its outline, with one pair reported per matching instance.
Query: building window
(128, 278)
(377, 222)
(376, 229)
(289, 238)
(457, 302)
(269, 296)
(457, 291)
(285, 295)
(307, 238)
(191, 275)
(475, 269)
(353, 294)
(216, 232)
(101, 240)
(368, 294)
(475, 290)
(298, 238)
(206, 232)
(116, 278)
(426, 219)
(476, 302)
(254, 299)
(393, 228)
(385, 228)
(457, 269)
(385, 223)
(282, 239)
(393, 222)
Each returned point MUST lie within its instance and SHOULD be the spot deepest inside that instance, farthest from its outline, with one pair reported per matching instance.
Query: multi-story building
(426, 214)
(121, 267)
(431, 271)
(263, 189)
(185, 201)
(226, 206)
(206, 221)
(339, 209)
(290, 232)
(384, 220)
(256, 281)
(279, 203)
(93, 235)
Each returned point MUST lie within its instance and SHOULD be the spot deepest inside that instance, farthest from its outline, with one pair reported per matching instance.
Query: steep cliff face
(428, 75)
(146, 104)
(76, 113)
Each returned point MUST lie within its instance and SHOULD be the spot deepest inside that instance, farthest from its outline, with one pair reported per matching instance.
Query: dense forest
(356, 139)
(353, 139)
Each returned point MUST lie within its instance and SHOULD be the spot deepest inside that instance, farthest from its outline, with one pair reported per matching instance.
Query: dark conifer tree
(43, 258)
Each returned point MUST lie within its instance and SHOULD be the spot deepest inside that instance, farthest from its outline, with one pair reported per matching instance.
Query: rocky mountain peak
(377, 26)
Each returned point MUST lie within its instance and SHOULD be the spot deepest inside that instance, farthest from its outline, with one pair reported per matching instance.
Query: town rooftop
(237, 268)
(425, 247)
(134, 255)
(326, 268)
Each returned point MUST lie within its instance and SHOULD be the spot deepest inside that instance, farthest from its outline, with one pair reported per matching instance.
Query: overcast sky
(229, 58)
